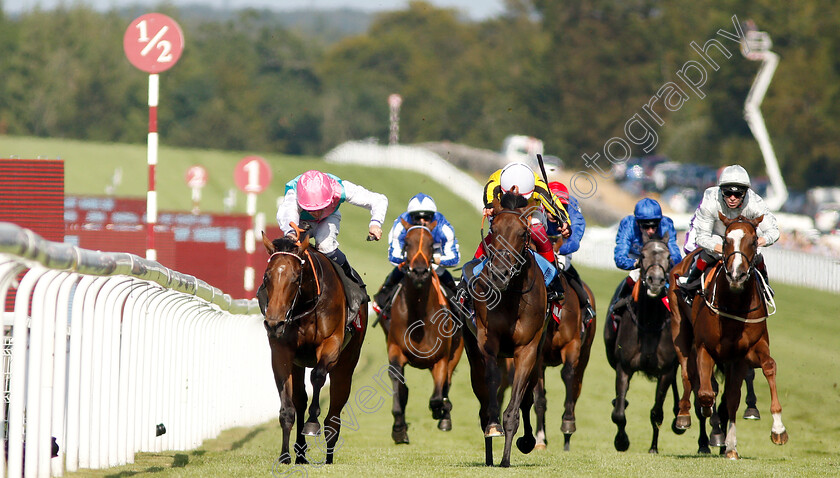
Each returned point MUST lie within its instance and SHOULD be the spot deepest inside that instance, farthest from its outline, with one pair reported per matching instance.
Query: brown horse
(308, 328)
(566, 345)
(726, 325)
(421, 331)
(510, 305)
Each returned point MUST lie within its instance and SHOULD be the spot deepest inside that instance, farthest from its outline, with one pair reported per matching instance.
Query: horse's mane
(513, 201)
(284, 244)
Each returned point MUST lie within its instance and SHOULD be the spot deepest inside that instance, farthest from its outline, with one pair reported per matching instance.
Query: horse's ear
(497, 206)
(405, 224)
(268, 244)
(755, 222)
(726, 221)
(432, 226)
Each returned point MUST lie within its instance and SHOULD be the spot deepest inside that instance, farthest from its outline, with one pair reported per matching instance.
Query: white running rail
(106, 346)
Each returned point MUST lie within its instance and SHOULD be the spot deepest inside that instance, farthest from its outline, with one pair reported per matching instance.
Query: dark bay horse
(421, 331)
(642, 341)
(510, 305)
(306, 322)
(726, 326)
(564, 344)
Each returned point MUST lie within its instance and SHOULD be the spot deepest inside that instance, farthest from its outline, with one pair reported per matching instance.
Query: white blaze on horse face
(735, 236)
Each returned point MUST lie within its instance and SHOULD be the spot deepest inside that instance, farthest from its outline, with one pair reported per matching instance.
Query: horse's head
(511, 234)
(419, 248)
(740, 249)
(654, 263)
(282, 279)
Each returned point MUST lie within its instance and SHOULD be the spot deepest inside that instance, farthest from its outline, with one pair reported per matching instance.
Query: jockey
(421, 211)
(519, 178)
(313, 199)
(646, 219)
(732, 197)
(571, 243)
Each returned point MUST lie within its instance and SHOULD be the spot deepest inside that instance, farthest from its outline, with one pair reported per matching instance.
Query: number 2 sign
(153, 42)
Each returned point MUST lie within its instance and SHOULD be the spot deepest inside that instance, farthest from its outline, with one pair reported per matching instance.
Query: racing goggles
(648, 224)
(417, 216)
(734, 191)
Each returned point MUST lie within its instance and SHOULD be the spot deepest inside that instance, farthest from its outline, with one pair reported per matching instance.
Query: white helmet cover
(734, 176)
(519, 175)
(420, 203)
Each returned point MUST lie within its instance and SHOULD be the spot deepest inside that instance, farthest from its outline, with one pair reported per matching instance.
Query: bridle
(645, 269)
(751, 261)
(299, 285)
(428, 262)
(514, 266)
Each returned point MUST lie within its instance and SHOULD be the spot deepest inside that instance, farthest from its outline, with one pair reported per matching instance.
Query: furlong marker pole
(151, 157)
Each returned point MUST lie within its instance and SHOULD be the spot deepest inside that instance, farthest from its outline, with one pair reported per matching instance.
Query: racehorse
(642, 341)
(420, 331)
(305, 318)
(510, 305)
(566, 343)
(726, 325)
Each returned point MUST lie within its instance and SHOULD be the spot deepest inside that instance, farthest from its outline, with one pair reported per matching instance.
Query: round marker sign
(153, 42)
(252, 174)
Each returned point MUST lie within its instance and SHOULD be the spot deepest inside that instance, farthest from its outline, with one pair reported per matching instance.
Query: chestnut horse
(421, 331)
(510, 305)
(306, 322)
(642, 341)
(566, 345)
(726, 325)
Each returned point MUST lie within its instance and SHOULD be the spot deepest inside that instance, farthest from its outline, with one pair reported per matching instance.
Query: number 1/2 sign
(252, 174)
(153, 42)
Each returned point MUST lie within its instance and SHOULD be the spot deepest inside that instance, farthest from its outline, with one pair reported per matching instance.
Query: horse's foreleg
(572, 383)
(526, 442)
(299, 397)
(281, 360)
(480, 389)
(682, 336)
(525, 361)
(657, 413)
(778, 433)
(540, 407)
(751, 412)
(622, 383)
(492, 377)
(327, 354)
(705, 369)
(734, 374)
(439, 403)
(399, 431)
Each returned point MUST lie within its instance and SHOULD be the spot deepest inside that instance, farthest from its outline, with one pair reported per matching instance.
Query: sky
(475, 9)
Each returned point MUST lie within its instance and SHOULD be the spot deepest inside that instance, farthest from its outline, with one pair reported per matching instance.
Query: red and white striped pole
(151, 159)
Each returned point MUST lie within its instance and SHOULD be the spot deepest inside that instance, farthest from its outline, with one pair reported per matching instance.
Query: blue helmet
(648, 210)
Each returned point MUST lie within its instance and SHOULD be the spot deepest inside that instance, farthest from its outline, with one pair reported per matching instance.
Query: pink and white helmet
(315, 190)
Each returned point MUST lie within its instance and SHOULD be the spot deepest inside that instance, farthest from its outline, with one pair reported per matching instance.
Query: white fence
(107, 349)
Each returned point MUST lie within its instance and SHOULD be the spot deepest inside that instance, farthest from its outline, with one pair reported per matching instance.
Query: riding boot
(341, 260)
(588, 313)
(555, 291)
(622, 291)
(690, 282)
(762, 269)
(382, 299)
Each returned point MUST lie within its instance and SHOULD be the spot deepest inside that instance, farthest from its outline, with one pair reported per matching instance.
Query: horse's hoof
(752, 413)
(400, 435)
(677, 430)
(706, 411)
(311, 429)
(779, 438)
(526, 444)
(653, 451)
(445, 424)
(301, 460)
(717, 439)
(540, 447)
(568, 427)
(733, 455)
(704, 450)
(683, 422)
(493, 430)
(436, 406)
(621, 442)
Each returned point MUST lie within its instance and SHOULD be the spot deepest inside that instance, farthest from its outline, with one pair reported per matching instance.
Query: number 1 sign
(153, 42)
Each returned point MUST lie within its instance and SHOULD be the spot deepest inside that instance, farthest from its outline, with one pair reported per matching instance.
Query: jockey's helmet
(734, 181)
(421, 206)
(648, 213)
(520, 176)
(560, 190)
(315, 190)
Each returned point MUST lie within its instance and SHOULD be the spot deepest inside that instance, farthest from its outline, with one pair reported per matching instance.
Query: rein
(435, 279)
